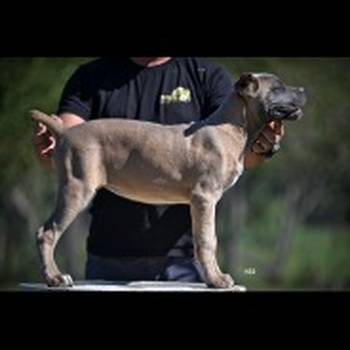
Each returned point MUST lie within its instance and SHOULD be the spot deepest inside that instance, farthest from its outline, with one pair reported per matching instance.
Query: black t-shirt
(180, 90)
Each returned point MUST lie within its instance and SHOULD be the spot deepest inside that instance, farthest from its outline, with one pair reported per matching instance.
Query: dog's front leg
(205, 240)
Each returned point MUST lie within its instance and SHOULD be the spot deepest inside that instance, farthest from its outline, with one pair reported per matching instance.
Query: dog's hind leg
(73, 197)
(205, 240)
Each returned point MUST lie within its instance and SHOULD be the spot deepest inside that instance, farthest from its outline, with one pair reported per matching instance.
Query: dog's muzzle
(288, 112)
(288, 105)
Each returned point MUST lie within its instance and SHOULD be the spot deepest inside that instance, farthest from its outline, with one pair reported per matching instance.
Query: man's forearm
(253, 159)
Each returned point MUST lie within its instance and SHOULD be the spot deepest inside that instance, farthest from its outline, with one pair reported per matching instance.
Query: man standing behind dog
(130, 240)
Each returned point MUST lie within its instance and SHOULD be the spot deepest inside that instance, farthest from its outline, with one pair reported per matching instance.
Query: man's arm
(74, 108)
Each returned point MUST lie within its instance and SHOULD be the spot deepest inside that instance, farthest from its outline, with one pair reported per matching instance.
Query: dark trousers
(143, 269)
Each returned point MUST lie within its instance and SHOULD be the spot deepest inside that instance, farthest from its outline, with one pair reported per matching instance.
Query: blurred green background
(286, 223)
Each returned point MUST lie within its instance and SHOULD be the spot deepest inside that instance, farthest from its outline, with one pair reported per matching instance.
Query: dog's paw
(222, 281)
(60, 280)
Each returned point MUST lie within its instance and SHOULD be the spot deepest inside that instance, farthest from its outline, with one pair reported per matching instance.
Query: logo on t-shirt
(180, 94)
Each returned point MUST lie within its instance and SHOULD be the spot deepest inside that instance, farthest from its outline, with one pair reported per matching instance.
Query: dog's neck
(235, 113)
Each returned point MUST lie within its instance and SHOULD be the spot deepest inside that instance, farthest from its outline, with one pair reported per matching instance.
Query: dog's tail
(54, 125)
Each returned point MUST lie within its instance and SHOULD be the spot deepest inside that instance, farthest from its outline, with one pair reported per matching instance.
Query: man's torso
(171, 93)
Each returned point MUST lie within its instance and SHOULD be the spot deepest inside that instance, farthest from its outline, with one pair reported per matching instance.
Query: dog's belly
(152, 194)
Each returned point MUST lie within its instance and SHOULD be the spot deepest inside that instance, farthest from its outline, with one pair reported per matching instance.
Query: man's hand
(271, 135)
(44, 142)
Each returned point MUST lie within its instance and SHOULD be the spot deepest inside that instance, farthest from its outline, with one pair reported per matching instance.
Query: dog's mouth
(296, 115)
(287, 112)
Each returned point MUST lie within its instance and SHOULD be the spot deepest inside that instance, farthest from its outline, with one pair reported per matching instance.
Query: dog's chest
(234, 175)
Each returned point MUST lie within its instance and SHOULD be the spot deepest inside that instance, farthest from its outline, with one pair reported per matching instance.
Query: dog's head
(266, 95)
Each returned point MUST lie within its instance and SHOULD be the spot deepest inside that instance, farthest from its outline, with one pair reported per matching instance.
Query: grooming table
(141, 286)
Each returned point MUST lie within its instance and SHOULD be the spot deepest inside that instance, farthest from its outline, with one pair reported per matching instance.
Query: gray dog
(158, 164)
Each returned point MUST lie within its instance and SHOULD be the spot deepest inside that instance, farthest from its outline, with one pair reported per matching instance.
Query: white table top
(142, 286)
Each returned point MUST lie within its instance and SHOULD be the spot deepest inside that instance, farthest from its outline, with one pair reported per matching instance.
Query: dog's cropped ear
(247, 85)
